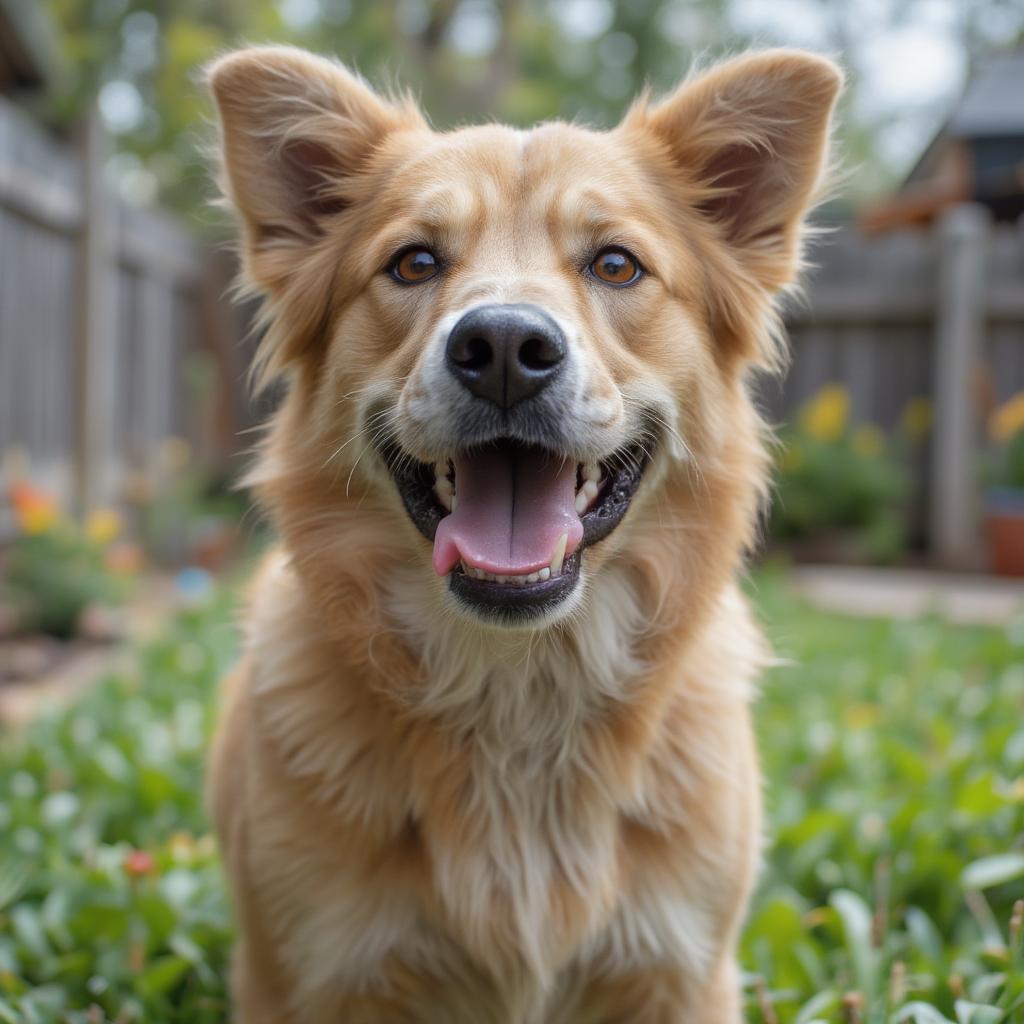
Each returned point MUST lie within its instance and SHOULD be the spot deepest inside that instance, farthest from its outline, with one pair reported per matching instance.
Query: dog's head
(515, 341)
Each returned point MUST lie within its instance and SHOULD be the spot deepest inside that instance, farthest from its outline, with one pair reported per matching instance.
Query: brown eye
(615, 266)
(415, 266)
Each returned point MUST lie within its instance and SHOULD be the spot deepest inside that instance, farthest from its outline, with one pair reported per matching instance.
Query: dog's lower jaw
(500, 870)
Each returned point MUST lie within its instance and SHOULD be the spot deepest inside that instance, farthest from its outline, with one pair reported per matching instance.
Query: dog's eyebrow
(445, 216)
(448, 205)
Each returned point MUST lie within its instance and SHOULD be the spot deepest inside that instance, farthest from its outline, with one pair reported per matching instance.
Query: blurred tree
(516, 60)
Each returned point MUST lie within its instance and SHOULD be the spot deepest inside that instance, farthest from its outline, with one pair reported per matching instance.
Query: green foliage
(516, 60)
(1013, 465)
(111, 900)
(895, 763)
(842, 483)
(56, 570)
(895, 758)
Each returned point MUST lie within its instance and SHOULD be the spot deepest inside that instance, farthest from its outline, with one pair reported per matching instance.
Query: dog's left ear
(750, 138)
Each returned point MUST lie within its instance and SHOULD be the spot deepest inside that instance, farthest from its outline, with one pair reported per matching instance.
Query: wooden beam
(964, 243)
(95, 370)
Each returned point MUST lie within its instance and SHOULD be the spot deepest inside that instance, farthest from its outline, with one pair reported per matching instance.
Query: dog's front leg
(665, 996)
(254, 994)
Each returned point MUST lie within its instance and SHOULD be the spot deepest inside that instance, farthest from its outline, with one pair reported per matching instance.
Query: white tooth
(479, 574)
(591, 471)
(445, 500)
(452, 506)
(582, 503)
(442, 485)
(544, 574)
(559, 554)
(590, 490)
(440, 471)
(532, 578)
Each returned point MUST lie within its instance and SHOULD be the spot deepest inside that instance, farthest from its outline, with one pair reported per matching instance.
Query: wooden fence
(933, 314)
(102, 309)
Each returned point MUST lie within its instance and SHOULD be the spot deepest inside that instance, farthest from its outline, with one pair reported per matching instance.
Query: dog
(487, 756)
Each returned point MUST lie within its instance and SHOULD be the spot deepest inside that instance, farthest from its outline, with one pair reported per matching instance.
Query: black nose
(505, 353)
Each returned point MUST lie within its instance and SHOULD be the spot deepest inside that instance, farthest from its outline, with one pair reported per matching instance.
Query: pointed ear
(751, 138)
(294, 127)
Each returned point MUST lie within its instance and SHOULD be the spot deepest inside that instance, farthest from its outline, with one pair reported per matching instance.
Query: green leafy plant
(112, 904)
(834, 479)
(894, 886)
(55, 569)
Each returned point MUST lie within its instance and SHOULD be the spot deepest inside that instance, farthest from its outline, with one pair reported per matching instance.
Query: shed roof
(993, 102)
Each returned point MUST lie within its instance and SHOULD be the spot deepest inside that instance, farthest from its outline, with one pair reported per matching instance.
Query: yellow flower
(103, 526)
(917, 418)
(35, 510)
(1008, 419)
(39, 519)
(868, 441)
(183, 847)
(826, 416)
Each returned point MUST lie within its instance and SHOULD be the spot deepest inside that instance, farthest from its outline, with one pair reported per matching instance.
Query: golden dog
(488, 755)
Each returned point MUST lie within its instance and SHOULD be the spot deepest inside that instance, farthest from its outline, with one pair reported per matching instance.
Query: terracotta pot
(1006, 530)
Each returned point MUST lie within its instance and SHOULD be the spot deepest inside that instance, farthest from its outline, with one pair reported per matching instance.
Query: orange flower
(35, 510)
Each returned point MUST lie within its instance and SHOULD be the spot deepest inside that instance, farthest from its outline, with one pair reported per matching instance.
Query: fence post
(95, 370)
(963, 235)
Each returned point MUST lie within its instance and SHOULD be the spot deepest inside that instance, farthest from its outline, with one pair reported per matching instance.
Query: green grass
(895, 759)
(895, 763)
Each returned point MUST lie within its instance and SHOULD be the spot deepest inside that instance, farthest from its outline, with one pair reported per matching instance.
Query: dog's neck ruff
(511, 685)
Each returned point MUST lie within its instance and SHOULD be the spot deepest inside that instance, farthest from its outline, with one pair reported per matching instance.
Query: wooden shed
(977, 156)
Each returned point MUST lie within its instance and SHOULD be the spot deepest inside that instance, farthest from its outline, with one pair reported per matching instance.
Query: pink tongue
(511, 510)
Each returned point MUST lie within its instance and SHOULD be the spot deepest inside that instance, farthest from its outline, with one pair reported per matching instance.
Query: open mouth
(510, 521)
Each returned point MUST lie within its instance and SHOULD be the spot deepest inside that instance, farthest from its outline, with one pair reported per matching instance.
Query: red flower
(139, 864)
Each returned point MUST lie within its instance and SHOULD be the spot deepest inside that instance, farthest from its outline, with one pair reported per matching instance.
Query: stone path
(144, 616)
(963, 598)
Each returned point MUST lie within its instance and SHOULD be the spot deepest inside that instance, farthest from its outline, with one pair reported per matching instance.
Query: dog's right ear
(295, 129)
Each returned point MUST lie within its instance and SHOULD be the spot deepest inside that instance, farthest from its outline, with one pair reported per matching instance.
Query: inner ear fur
(748, 143)
(296, 129)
